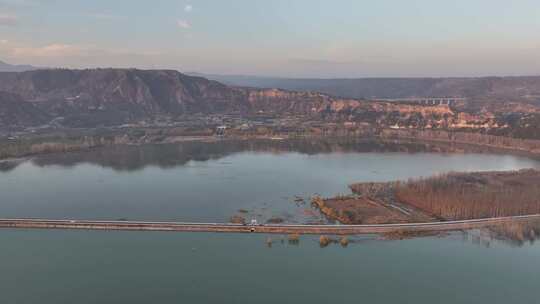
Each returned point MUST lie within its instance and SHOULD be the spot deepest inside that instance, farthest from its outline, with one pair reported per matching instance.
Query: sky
(285, 38)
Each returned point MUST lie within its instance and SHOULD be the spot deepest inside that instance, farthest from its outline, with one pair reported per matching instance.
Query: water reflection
(132, 158)
(516, 233)
(8, 165)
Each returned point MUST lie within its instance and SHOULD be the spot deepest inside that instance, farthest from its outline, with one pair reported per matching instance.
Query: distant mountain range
(522, 88)
(6, 67)
(372, 88)
(88, 98)
(106, 97)
(98, 97)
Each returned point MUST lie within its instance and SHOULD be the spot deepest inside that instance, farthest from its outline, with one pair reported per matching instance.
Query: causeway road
(261, 228)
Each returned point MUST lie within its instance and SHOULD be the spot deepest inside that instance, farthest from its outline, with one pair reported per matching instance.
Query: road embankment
(267, 228)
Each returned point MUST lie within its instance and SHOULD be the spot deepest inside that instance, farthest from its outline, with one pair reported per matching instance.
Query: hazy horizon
(288, 39)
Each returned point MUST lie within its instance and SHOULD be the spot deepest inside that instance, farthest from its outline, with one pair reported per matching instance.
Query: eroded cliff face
(280, 101)
(300, 103)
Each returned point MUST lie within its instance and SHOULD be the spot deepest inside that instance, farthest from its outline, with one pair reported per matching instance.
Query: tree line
(460, 196)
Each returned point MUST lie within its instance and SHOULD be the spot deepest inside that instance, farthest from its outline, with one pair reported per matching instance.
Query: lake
(50, 267)
(210, 182)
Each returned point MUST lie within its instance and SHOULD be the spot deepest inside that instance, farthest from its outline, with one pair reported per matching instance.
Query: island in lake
(445, 197)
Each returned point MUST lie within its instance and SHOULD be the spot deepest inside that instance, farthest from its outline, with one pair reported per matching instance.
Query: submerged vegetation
(517, 233)
(294, 239)
(324, 241)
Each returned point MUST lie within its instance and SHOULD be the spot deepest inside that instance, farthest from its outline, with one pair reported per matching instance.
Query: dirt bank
(355, 210)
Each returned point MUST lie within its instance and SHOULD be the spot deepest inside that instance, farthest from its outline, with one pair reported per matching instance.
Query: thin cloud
(183, 24)
(52, 50)
(8, 20)
(188, 8)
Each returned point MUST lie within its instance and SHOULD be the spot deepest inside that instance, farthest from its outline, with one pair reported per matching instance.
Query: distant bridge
(429, 101)
(265, 228)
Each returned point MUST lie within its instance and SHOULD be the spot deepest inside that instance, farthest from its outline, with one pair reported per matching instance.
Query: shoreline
(30, 146)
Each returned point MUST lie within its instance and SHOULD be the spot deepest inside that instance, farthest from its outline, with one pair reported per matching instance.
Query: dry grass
(474, 195)
(358, 210)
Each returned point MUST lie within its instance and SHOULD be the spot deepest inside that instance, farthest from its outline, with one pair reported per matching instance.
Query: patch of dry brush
(460, 196)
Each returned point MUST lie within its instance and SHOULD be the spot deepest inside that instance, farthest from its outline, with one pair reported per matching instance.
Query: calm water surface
(210, 182)
(51, 267)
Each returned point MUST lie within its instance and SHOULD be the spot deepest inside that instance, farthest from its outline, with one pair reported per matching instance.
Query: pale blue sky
(295, 38)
